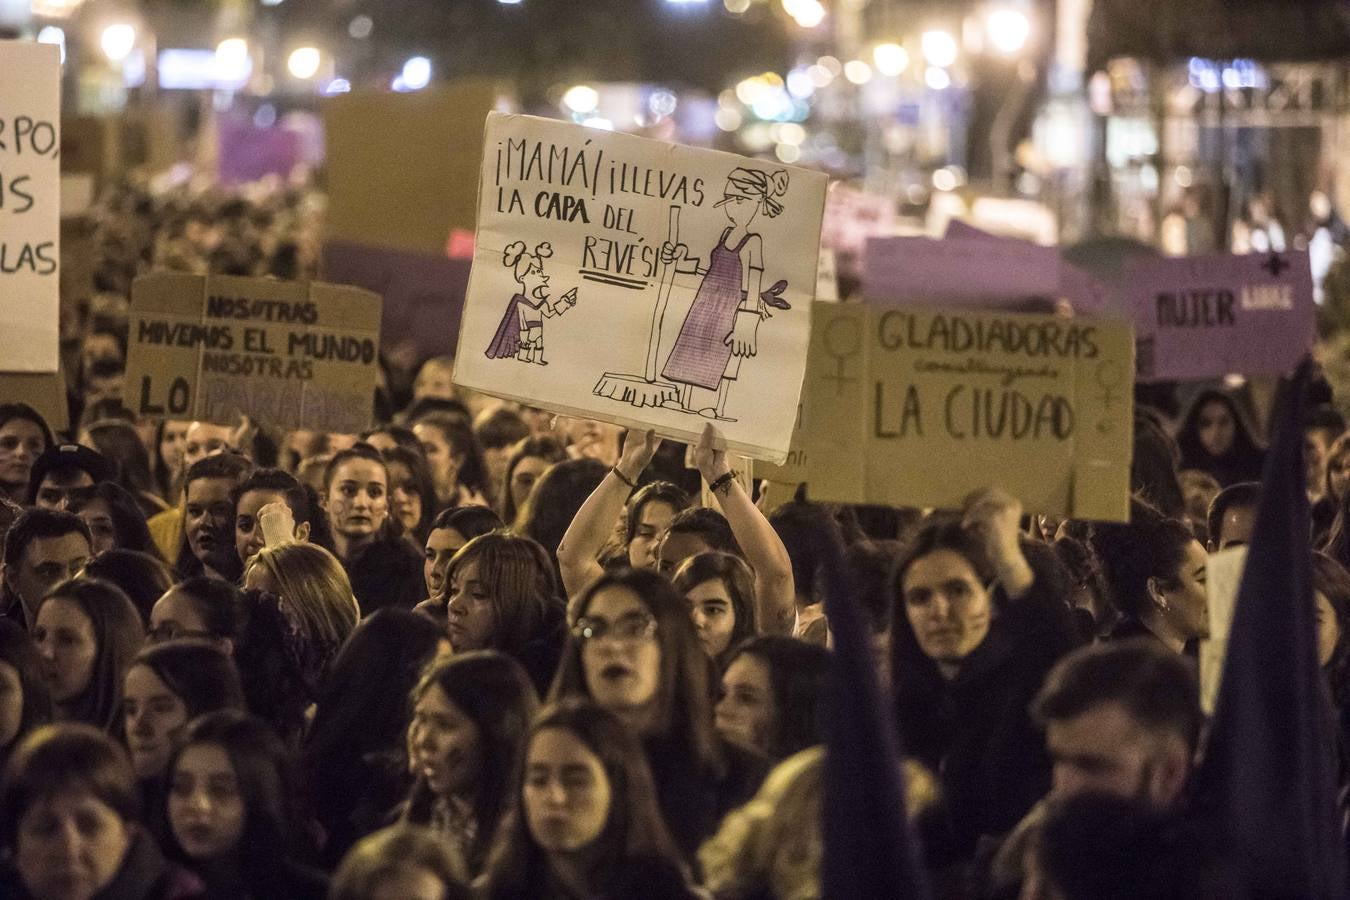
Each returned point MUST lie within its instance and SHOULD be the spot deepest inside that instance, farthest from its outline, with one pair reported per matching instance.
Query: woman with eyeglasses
(587, 824)
(975, 630)
(633, 650)
(470, 716)
(204, 608)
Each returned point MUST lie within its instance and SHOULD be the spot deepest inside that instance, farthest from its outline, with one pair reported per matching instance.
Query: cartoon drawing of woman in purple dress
(521, 332)
(722, 326)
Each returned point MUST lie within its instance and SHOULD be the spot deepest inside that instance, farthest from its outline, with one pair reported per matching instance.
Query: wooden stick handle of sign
(662, 299)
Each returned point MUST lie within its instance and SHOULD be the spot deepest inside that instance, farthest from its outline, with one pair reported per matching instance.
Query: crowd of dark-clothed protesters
(484, 651)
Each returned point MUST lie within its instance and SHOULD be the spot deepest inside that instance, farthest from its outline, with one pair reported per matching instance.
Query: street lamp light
(118, 41)
(890, 59)
(1009, 30)
(939, 48)
(304, 62)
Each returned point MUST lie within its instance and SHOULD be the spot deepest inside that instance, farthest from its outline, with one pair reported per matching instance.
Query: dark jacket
(975, 730)
(387, 573)
(542, 653)
(145, 875)
(285, 881)
(649, 879)
(694, 801)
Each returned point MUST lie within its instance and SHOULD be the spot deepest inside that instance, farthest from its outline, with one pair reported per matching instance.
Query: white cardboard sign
(642, 283)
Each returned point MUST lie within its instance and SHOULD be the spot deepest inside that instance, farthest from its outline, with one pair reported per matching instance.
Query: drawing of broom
(644, 390)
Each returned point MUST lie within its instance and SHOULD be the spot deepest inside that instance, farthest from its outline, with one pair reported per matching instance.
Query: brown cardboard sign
(287, 354)
(45, 392)
(911, 407)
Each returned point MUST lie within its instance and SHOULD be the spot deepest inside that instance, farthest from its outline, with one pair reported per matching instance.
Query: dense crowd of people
(480, 650)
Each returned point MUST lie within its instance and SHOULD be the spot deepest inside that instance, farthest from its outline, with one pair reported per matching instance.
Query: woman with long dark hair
(470, 716)
(87, 632)
(456, 462)
(587, 822)
(979, 620)
(634, 651)
(411, 491)
(1215, 438)
(115, 520)
(234, 811)
(383, 564)
(354, 758)
(770, 688)
(528, 462)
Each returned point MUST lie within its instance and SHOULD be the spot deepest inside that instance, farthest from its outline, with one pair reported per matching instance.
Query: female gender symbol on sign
(1109, 376)
(843, 340)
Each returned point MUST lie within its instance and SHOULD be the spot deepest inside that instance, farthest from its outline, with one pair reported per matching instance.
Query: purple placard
(423, 294)
(247, 152)
(1209, 316)
(1085, 292)
(976, 269)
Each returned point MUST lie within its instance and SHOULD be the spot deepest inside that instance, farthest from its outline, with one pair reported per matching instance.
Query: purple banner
(1209, 316)
(423, 294)
(973, 269)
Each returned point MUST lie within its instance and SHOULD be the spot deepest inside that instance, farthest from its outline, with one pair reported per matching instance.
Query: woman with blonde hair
(314, 591)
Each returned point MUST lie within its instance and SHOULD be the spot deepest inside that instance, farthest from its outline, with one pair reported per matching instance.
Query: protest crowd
(482, 650)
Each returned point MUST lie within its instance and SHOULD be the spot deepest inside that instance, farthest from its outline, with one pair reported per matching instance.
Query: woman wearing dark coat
(980, 618)
(1216, 439)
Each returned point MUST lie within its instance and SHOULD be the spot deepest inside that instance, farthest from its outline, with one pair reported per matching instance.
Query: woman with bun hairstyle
(722, 325)
(521, 332)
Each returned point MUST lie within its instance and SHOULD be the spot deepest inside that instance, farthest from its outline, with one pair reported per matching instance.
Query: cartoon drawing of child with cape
(722, 326)
(521, 332)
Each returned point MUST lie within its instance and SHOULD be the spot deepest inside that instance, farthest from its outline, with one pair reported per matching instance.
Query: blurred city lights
(800, 83)
(416, 73)
(272, 2)
(337, 86)
(890, 59)
(662, 103)
(233, 64)
(118, 41)
(806, 13)
(736, 7)
(831, 65)
(791, 133)
(582, 99)
(51, 34)
(857, 71)
(1009, 30)
(819, 75)
(597, 122)
(509, 2)
(939, 48)
(728, 119)
(304, 62)
(361, 27)
(937, 79)
(788, 153)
